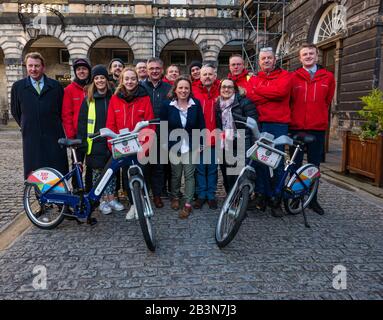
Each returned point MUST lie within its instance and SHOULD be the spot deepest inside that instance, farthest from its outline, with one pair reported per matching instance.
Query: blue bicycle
(296, 187)
(48, 198)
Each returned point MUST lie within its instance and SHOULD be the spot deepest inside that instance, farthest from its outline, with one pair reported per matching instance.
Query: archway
(180, 52)
(107, 48)
(230, 48)
(56, 57)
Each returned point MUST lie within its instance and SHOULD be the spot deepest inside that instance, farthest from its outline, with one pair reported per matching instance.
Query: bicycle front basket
(267, 155)
(126, 146)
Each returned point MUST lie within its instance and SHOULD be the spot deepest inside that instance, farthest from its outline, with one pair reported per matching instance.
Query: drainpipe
(154, 34)
(378, 48)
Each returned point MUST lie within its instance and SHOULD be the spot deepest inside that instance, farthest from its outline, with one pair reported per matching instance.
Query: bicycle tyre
(42, 221)
(291, 204)
(225, 232)
(145, 223)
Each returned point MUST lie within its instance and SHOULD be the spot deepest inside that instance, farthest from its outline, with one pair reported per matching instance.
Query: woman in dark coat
(39, 116)
(230, 103)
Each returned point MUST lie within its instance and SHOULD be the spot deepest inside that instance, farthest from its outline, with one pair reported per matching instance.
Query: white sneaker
(116, 206)
(132, 214)
(104, 208)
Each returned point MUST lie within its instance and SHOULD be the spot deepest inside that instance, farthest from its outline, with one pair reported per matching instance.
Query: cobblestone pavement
(11, 176)
(269, 259)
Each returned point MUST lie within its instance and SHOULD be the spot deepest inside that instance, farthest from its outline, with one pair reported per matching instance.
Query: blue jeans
(264, 182)
(207, 176)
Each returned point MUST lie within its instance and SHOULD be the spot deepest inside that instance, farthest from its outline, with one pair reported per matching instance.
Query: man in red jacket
(240, 76)
(207, 174)
(74, 94)
(312, 91)
(271, 95)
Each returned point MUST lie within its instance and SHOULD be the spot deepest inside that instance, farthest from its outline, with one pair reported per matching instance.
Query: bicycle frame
(91, 199)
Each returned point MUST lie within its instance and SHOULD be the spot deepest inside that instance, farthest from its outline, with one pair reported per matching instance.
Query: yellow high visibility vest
(91, 123)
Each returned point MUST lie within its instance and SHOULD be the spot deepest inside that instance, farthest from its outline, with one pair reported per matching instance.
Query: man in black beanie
(74, 94)
(115, 67)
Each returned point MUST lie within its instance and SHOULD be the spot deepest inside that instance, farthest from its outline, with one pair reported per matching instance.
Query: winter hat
(195, 64)
(99, 70)
(115, 59)
(81, 62)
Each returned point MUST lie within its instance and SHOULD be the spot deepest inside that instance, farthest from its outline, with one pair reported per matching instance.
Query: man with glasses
(271, 94)
(157, 91)
(312, 91)
(141, 70)
(240, 76)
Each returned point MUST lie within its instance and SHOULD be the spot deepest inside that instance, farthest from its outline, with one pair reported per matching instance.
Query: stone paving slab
(11, 176)
(269, 259)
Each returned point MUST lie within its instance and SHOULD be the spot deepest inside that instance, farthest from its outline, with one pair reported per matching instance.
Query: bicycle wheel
(231, 216)
(145, 223)
(45, 216)
(309, 175)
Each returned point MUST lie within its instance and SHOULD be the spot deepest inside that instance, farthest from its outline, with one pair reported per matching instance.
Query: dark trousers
(314, 150)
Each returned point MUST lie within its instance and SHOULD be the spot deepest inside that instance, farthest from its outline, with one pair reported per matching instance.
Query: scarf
(228, 125)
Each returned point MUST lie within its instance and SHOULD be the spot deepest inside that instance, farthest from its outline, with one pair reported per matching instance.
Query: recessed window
(121, 54)
(178, 57)
(64, 56)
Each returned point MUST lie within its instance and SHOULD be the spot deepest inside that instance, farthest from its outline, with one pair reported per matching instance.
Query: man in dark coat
(36, 103)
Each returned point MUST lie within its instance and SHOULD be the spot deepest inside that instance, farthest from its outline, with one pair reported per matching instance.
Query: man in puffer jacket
(312, 91)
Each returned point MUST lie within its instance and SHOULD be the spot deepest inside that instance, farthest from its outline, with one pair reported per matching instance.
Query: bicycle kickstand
(304, 214)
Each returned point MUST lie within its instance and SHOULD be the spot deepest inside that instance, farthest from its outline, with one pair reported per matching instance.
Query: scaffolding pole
(253, 10)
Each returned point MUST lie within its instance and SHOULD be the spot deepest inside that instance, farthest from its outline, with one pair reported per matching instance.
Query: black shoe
(212, 204)
(259, 203)
(198, 203)
(314, 206)
(277, 212)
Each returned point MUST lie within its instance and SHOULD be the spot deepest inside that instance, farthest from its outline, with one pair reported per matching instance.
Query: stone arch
(138, 38)
(166, 36)
(105, 48)
(56, 54)
(180, 52)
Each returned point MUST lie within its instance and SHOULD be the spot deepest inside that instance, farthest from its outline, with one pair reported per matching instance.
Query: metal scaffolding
(265, 22)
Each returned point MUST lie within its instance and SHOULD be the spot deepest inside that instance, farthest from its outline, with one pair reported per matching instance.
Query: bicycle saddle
(303, 137)
(69, 142)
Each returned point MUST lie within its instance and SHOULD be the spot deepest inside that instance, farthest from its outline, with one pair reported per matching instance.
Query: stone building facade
(101, 30)
(348, 33)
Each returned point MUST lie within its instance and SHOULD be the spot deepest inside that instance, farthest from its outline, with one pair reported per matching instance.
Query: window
(223, 58)
(121, 54)
(178, 57)
(64, 56)
(331, 23)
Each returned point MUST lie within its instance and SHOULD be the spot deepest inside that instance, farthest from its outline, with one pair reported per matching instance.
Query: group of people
(118, 97)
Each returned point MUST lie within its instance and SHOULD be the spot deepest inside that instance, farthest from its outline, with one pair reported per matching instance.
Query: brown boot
(185, 212)
(158, 202)
(175, 204)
